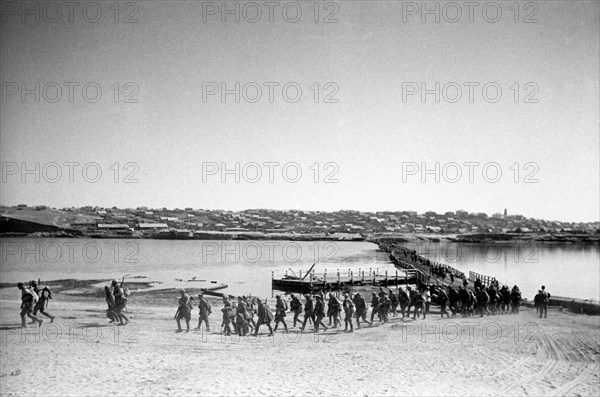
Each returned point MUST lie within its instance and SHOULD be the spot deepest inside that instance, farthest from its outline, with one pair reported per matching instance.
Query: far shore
(471, 238)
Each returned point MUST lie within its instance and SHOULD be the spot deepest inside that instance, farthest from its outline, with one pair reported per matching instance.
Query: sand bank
(497, 355)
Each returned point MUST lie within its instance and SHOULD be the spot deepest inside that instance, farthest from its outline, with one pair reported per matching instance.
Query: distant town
(143, 222)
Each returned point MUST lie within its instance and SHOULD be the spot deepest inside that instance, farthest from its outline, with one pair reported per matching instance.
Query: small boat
(212, 291)
(216, 288)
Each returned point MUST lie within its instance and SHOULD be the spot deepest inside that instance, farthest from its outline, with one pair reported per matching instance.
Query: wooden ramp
(315, 282)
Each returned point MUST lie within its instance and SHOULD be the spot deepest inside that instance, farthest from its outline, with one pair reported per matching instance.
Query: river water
(247, 266)
(565, 269)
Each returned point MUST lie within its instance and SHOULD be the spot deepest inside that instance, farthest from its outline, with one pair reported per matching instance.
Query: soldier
(120, 302)
(427, 299)
(334, 310)
(493, 299)
(309, 311)
(515, 300)
(453, 299)
(422, 300)
(545, 298)
(110, 301)
(265, 316)
(464, 297)
(227, 311)
(204, 311)
(28, 301)
(443, 300)
(241, 317)
(44, 295)
(418, 301)
(505, 293)
(472, 302)
(349, 312)
(319, 313)
(361, 309)
(296, 308)
(280, 309)
(375, 306)
(251, 306)
(403, 300)
(536, 302)
(411, 300)
(384, 308)
(482, 301)
(184, 310)
(394, 303)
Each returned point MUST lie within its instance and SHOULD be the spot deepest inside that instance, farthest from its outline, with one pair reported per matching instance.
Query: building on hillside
(152, 226)
(83, 223)
(113, 226)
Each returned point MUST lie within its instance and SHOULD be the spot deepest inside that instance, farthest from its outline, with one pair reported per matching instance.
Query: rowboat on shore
(582, 306)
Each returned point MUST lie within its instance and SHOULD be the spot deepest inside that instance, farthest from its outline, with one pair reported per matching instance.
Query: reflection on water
(565, 269)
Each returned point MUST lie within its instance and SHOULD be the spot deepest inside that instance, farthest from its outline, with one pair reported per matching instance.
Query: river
(246, 266)
(565, 269)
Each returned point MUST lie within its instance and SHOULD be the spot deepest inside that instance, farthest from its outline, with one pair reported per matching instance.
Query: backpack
(34, 297)
(228, 312)
(296, 305)
(544, 297)
(350, 306)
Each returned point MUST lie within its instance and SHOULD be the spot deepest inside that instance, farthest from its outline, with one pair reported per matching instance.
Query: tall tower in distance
(505, 212)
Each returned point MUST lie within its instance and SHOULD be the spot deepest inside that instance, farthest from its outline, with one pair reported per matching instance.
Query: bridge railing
(485, 280)
(334, 275)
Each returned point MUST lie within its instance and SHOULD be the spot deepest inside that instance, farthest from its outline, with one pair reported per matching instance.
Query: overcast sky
(359, 116)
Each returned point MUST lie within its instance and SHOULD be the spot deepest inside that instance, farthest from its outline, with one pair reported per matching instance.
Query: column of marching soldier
(239, 317)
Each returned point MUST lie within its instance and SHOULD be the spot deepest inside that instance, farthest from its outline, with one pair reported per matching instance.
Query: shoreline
(143, 293)
(482, 238)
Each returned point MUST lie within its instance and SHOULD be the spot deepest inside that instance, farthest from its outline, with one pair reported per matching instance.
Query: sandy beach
(80, 354)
